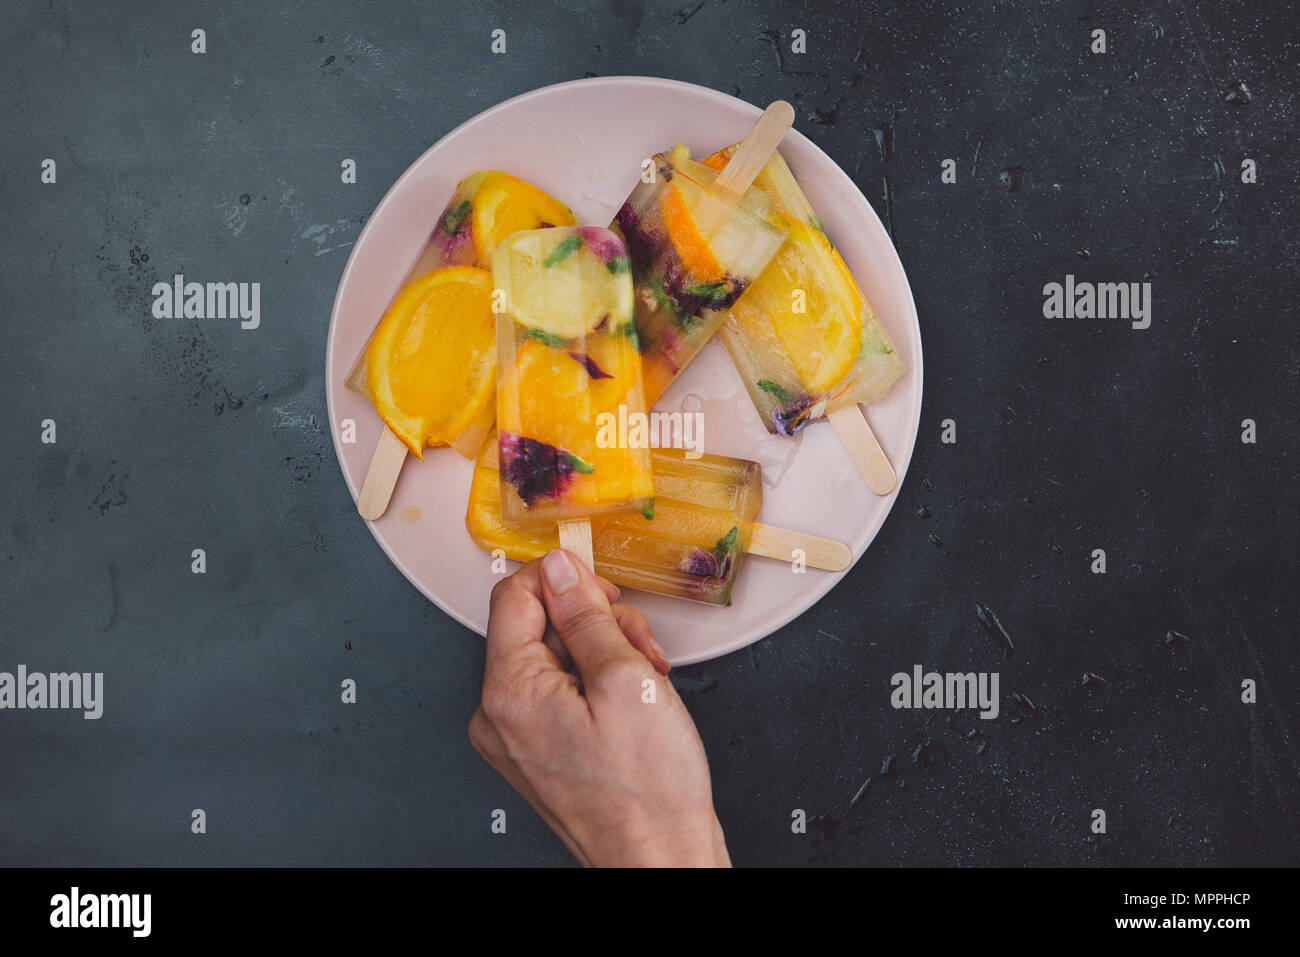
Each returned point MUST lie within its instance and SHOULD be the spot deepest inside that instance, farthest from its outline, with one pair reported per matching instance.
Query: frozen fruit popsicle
(697, 238)
(430, 365)
(569, 382)
(805, 339)
(705, 521)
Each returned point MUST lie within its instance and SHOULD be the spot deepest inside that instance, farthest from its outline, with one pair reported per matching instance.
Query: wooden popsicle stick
(864, 448)
(381, 477)
(390, 453)
(575, 536)
(757, 148)
(781, 543)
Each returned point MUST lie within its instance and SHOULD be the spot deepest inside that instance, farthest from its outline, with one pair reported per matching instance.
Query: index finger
(516, 616)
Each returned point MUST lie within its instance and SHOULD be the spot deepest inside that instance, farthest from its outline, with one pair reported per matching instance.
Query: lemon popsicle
(705, 521)
(569, 370)
(804, 338)
(429, 368)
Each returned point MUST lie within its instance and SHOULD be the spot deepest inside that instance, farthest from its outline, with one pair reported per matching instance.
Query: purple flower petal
(535, 469)
(606, 245)
(593, 370)
(791, 418)
(702, 564)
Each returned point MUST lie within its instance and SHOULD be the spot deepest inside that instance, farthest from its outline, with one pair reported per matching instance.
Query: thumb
(580, 614)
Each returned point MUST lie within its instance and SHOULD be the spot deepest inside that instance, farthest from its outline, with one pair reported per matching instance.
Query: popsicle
(705, 522)
(697, 238)
(430, 365)
(805, 339)
(569, 381)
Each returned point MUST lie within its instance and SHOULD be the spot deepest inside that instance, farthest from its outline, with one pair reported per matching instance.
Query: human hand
(567, 718)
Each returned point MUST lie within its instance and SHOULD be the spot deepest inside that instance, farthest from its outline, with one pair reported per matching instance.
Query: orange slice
(717, 160)
(823, 337)
(505, 204)
(552, 397)
(692, 248)
(431, 364)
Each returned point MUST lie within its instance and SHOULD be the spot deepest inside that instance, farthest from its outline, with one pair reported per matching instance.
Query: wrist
(658, 843)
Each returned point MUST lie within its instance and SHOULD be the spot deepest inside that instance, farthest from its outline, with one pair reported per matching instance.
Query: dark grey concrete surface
(222, 690)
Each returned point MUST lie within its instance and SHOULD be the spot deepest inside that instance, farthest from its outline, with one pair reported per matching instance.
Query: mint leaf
(563, 251)
(619, 265)
(628, 329)
(771, 388)
(662, 299)
(578, 464)
(546, 337)
(685, 321)
(688, 323)
(452, 221)
(876, 342)
(816, 224)
(713, 293)
(727, 543)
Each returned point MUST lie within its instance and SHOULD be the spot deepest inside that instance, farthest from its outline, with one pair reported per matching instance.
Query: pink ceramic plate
(583, 142)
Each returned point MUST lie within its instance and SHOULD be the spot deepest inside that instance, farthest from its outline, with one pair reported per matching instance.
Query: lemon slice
(565, 283)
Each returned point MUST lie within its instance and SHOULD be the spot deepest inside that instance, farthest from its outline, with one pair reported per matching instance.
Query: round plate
(583, 142)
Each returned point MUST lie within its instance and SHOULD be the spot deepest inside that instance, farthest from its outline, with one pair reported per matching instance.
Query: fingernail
(659, 650)
(559, 571)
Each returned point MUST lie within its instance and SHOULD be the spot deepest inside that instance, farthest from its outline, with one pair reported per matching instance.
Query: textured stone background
(1073, 435)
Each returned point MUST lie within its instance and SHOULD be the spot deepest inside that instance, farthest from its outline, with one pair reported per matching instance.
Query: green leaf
(685, 321)
(563, 251)
(662, 299)
(727, 543)
(451, 222)
(711, 292)
(619, 265)
(771, 388)
(642, 343)
(578, 464)
(816, 224)
(648, 509)
(628, 330)
(873, 340)
(546, 337)
(688, 323)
